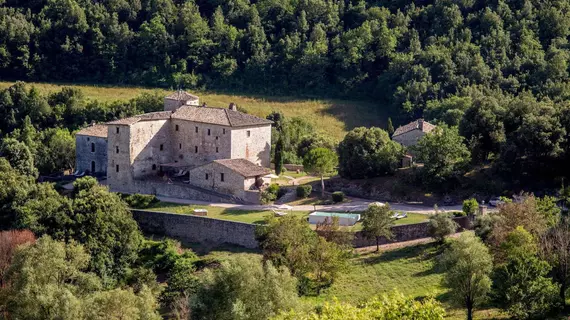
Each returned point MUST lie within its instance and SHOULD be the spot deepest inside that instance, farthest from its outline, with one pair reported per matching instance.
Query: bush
(273, 188)
(267, 196)
(338, 196)
(470, 206)
(281, 192)
(440, 226)
(458, 214)
(304, 191)
(140, 201)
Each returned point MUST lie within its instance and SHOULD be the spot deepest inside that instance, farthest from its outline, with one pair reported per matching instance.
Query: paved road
(354, 205)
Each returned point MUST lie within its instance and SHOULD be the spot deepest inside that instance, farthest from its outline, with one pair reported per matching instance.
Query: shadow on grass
(420, 251)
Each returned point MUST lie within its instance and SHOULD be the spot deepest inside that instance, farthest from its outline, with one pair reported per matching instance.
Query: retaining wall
(196, 229)
(203, 229)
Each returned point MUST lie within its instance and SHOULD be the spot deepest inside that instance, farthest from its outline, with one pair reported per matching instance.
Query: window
(92, 147)
(88, 139)
(224, 131)
(248, 133)
(217, 137)
(117, 129)
(176, 128)
(206, 176)
(117, 168)
(180, 146)
(92, 167)
(217, 150)
(161, 147)
(154, 167)
(222, 177)
(196, 129)
(117, 149)
(208, 131)
(196, 149)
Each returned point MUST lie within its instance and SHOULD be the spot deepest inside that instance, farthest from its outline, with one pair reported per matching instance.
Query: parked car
(495, 201)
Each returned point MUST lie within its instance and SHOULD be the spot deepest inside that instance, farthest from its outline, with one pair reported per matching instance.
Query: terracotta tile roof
(161, 115)
(181, 96)
(219, 116)
(94, 130)
(420, 124)
(244, 167)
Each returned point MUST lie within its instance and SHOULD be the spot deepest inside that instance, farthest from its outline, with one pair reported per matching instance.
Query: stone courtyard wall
(208, 230)
(196, 229)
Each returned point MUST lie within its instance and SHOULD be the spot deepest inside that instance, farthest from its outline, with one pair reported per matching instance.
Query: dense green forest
(404, 54)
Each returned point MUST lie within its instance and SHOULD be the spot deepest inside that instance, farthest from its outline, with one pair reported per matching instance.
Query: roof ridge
(228, 116)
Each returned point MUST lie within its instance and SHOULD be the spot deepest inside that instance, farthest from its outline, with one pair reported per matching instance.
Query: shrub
(440, 226)
(273, 188)
(281, 192)
(304, 191)
(458, 214)
(140, 201)
(267, 196)
(338, 196)
(470, 206)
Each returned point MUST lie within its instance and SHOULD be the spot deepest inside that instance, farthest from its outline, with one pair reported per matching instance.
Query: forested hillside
(406, 54)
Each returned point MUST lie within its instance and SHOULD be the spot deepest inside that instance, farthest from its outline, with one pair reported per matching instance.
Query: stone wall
(233, 182)
(255, 146)
(196, 229)
(192, 145)
(406, 232)
(409, 138)
(204, 229)
(150, 146)
(85, 157)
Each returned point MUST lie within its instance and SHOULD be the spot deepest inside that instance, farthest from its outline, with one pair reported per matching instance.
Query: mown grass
(247, 216)
(331, 116)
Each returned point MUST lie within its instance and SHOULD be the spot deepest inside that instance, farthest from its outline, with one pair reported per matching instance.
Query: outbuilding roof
(94, 130)
(243, 167)
(419, 124)
(181, 96)
(161, 115)
(219, 116)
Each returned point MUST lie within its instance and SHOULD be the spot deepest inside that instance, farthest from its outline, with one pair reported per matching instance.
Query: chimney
(421, 124)
(233, 106)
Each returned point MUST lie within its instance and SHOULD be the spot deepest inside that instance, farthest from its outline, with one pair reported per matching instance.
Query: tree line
(409, 56)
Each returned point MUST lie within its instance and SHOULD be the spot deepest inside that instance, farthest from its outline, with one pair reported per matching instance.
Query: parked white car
(495, 201)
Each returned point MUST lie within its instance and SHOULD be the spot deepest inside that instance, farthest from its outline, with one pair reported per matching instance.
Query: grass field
(330, 116)
(250, 216)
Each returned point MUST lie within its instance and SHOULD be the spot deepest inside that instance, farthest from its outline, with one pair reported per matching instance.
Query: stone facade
(153, 147)
(253, 144)
(409, 138)
(91, 154)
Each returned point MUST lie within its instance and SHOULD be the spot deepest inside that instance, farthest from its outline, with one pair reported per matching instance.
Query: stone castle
(187, 151)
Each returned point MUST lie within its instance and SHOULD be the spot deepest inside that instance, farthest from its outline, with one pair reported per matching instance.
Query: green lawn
(252, 216)
(247, 216)
(330, 116)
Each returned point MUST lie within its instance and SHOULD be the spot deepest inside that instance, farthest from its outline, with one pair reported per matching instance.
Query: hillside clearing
(331, 116)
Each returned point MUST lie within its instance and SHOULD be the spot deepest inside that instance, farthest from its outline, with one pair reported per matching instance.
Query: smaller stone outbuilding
(231, 176)
(91, 150)
(409, 134)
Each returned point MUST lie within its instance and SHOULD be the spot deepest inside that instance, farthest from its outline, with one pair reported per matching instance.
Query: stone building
(409, 134)
(152, 152)
(91, 150)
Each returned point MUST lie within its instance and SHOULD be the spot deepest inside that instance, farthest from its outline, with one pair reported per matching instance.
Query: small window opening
(117, 129)
(176, 127)
(224, 131)
(117, 168)
(217, 149)
(208, 131)
(180, 146)
(92, 167)
(221, 177)
(92, 147)
(206, 176)
(161, 147)
(196, 129)
(154, 167)
(248, 133)
(196, 149)
(117, 149)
